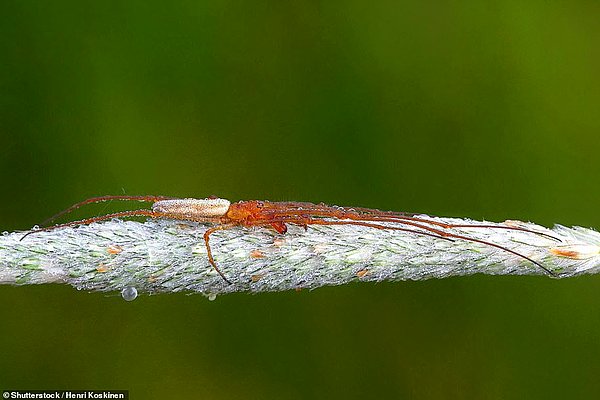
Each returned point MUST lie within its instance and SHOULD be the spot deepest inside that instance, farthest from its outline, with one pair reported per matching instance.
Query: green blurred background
(480, 109)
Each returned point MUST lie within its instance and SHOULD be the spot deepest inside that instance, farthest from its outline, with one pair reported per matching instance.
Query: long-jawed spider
(225, 215)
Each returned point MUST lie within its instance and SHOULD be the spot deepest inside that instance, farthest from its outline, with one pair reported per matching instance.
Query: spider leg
(100, 199)
(87, 221)
(385, 216)
(272, 223)
(371, 225)
(503, 248)
(442, 234)
(488, 226)
(291, 216)
(415, 222)
(510, 228)
(301, 221)
(304, 221)
(211, 260)
(138, 213)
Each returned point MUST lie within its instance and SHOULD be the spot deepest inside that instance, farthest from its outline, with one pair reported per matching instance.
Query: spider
(223, 214)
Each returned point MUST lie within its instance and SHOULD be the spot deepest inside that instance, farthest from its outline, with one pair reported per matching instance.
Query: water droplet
(35, 228)
(129, 293)
(5, 233)
(212, 297)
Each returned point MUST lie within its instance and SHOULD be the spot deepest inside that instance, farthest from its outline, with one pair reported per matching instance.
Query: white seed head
(194, 209)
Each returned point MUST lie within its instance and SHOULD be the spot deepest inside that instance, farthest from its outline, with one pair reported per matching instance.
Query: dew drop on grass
(212, 297)
(129, 293)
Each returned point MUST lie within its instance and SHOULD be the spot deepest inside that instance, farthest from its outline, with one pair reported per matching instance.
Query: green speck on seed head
(199, 249)
(31, 263)
(38, 251)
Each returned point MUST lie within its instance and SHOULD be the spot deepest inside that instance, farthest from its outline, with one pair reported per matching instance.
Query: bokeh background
(480, 109)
